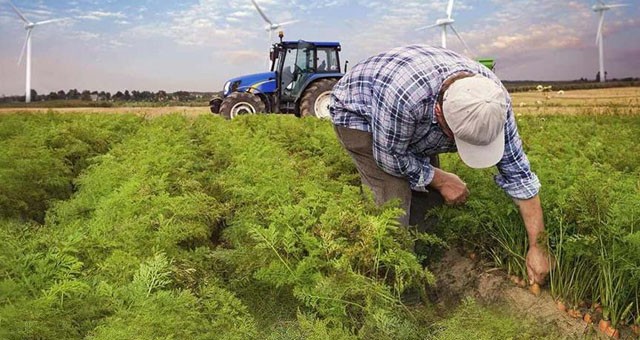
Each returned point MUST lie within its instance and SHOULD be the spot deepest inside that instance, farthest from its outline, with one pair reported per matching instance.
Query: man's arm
(537, 256)
(517, 179)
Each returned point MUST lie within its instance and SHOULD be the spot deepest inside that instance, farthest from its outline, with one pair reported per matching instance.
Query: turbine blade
(425, 27)
(24, 47)
(466, 47)
(49, 21)
(600, 25)
(255, 4)
(287, 22)
(617, 5)
(15, 9)
(449, 9)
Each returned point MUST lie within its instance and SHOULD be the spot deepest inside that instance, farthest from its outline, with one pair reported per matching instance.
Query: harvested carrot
(574, 313)
(587, 318)
(561, 306)
(612, 332)
(603, 325)
(535, 289)
(597, 307)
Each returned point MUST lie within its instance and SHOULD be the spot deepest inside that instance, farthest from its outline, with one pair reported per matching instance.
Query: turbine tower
(28, 26)
(444, 23)
(600, 8)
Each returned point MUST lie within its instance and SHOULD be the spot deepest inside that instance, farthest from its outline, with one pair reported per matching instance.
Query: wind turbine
(271, 27)
(444, 23)
(600, 8)
(28, 26)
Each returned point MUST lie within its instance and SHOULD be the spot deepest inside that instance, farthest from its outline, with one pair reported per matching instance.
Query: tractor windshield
(305, 57)
(296, 69)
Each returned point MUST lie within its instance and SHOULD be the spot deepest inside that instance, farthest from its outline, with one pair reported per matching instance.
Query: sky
(166, 45)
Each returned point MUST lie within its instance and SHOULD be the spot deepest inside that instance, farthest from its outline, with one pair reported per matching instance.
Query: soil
(460, 277)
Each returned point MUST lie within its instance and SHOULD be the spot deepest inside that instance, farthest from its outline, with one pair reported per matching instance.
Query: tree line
(133, 96)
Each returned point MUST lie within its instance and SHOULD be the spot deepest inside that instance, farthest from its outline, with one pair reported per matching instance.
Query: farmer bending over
(396, 111)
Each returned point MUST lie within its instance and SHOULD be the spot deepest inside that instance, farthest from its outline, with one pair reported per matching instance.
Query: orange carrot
(603, 325)
(574, 313)
(535, 289)
(587, 318)
(597, 307)
(612, 332)
(561, 306)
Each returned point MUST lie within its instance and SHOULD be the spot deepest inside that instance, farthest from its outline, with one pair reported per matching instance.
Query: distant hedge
(531, 85)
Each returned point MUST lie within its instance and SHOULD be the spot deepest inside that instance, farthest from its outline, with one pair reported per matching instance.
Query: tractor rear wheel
(316, 99)
(241, 103)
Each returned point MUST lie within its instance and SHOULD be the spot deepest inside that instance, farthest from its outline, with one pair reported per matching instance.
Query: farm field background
(190, 226)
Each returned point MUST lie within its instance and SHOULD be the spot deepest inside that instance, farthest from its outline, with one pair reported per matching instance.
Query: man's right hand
(450, 186)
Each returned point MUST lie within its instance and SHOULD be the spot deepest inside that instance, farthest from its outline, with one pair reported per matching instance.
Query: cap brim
(481, 156)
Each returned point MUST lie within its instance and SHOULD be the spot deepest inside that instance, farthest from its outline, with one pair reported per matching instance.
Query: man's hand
(538, 263)
(538, 259)
(450, 186)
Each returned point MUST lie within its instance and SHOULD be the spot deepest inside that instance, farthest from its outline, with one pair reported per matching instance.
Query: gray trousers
(386, 187)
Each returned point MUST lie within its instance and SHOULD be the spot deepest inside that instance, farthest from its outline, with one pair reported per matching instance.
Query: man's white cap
(475, 109)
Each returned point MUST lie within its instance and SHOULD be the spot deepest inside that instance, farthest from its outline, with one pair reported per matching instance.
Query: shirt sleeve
(515, 176)
(392, 127)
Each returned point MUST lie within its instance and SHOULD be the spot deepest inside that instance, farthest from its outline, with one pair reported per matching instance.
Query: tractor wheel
(241, 103)
(316, 99)
(214, 105)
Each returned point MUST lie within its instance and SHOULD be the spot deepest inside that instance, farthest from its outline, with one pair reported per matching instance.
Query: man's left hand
(538, 264)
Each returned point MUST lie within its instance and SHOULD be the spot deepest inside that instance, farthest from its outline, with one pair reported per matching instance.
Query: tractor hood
(265, 82)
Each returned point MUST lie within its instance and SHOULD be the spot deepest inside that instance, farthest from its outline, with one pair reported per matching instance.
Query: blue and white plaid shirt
(393, 94)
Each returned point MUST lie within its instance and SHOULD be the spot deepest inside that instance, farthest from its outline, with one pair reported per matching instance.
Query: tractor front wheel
(241, 103)
(214, 105)
(316, 99)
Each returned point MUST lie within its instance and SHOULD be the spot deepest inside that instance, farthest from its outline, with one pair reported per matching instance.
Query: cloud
(243, 57)
(99, 15)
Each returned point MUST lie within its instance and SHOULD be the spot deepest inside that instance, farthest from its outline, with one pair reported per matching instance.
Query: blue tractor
(300, 82)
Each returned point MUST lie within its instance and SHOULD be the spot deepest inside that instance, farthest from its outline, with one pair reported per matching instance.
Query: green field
(181, 227)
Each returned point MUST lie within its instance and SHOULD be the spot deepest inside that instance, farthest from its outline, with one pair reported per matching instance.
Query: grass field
(115, 226)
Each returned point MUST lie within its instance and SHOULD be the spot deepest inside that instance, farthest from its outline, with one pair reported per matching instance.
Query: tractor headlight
(225, 88)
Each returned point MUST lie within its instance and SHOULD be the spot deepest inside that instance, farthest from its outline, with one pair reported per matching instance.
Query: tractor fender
(314, 78)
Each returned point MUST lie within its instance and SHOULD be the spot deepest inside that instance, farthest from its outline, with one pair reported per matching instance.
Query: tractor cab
(298, 64)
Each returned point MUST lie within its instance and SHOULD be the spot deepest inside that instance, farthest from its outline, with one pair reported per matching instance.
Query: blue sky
(196, 45)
